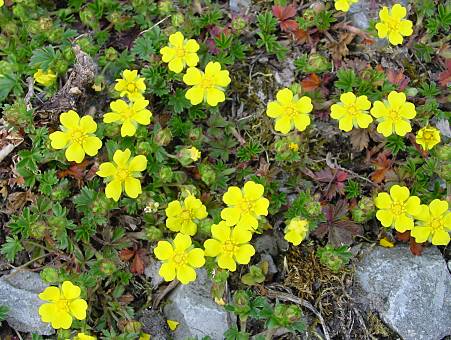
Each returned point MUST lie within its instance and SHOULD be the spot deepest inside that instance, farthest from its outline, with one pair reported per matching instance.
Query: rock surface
(19, 292)
(153, 322)
(410, 293)
(198, 314)
(152, 272)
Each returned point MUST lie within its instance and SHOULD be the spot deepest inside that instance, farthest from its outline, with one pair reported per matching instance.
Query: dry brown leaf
(359, 139)
(340, 49)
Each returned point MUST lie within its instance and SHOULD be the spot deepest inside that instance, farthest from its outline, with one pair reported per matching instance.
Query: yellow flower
(179, 259)
(434, 223)
(194, 153)
(208, 86)
(393, 25)
(393, 116)
(44, 78)
(83, 336)
(245, 206)
(293, 146)
(1, 3)
(229, 245)
(344, 5)
(172, 324)
(428, 137)
(131, 85)
(181, 218)
(296, 231)
(121, 174)
(65, 304)
(180, 52)
(396, 210)
(129, 115)
(144, 336)
(289, 111)
(386, 243)
(76, 136)
(351, 112)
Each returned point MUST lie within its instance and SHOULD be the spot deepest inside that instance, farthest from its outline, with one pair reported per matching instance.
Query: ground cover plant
(180, 132)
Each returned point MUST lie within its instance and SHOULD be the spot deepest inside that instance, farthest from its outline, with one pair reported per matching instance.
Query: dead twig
(30, 93)
(165, 292)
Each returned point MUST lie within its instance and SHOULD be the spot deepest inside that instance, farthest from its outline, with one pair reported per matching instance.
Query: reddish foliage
(311, 83)
(334, 178)
(383, 165)
(137, 265)
(444, 77)
(416, 248)
(284, 15)
(398, 78)
(76, 171)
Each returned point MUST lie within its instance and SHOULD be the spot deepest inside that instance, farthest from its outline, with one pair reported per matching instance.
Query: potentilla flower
(76, 136)
(289, 111)
(393, 25)
(179, 259)
(229, 245)
(397, 209)
(131, 85)
(121, 174)
(428, 137)
(194, 153)
(83, 336)
(351, 112)
(393, 115)
(129, 115)
(433, 223)
(344, 5)
(64, 305)
(2, 2)
(183, 217)
(45, 78)
(180, 52)
(245, 205)
(208, 86)
(296, 231)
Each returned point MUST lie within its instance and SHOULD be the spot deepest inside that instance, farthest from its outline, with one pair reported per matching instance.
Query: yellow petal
(382, 30)
(91, 145)
(284, 96)
(58, 140)
(345, 123)
(438, 207)
(337, 111)
(87, 124)
(274, 110)
(121, 157)
(130, 75)
(241, 235)
(244, 253)
(195, 95)
(138, 163)
(168, 53)
(222, 78)
(70, 291)
(413, 205)
(231, 215)
(247, 221)
(283, 124)
(119, 106)
(253, 191)
(167, 271)
(403, 223)
(399, 193)
(405, 28)
(301, 121)
(226, 261)
(212, 248)
(193, 76)
(163, 251)
(402, 127)
(176, 39)
(384, 14)
(186, 274)
(348, 98)
(63, 320)
(172, 324)
(385, 217)
(128, 128)
(196, 258)
(383, 201)
(440, 238)
(363, 103)
(386, 243)
(75, 153)
(182, 242)
(113, 190)
(398, 11)
(421, 234)
(78, 309)
(385, 128)
(342, 5)
(261, 206)
(174, 209)
(214, 96)
(212, 69)
(407, 110)
(191, 47)
(191, 59)
(364, 120)
(106, 169)
(50, 294)
(47, 311)
(176, 65)
(132, 187)
(111, 117)
(395, 38)
(70, 119)
(379, 109)
(142, 117)
(396, 99)
(221, 231)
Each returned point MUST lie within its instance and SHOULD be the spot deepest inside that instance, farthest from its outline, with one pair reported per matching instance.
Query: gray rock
(198, 314)
(410, 293)
(240, 5)
(286, 77)
(151, 272)
(272, 268)
(361, 12)
(266, 244)
(153, 322)
(19, 292)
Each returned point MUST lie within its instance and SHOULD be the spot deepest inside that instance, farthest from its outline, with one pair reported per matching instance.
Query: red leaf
(284, 13)
(383, 165)
(398, 78)
(311, 83)
(289, 26)
(403, 237)
(445, 76)
(415, 248)
(126, 254)
(301, 36)
(138, 264)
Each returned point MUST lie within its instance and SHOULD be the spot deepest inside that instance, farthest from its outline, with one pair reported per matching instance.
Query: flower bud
(45, 24)
(165, 7)
(163, 137)
(107, 267)
(318, 63)
(186, 156)
(111, 54)
(153, 233)
(49, 274)
(177, 19)
(165, 174)
(207, 173)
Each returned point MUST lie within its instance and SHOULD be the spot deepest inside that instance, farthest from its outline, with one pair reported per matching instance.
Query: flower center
(179, 258)
(207, 82)
(352, 109)
(180, 52)
(436, 224)
(394, 114)
(122, 174)
(62, 304)
(78, 136)
(186, 215)
(428, 135)
(228, 247)
(290, 110)
(393, 24)
(398, 208)
(131, 87)
(245, 205)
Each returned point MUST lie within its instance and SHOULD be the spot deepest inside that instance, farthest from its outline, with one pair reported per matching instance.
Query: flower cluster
(392, 24)
(64, 305)
(404, 212)
(206, 86)
(289, 111)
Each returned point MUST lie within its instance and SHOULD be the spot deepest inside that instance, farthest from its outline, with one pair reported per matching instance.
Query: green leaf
(44, 57)
(178, 102)
(9, 82)
(11, 247)
(3, 312)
